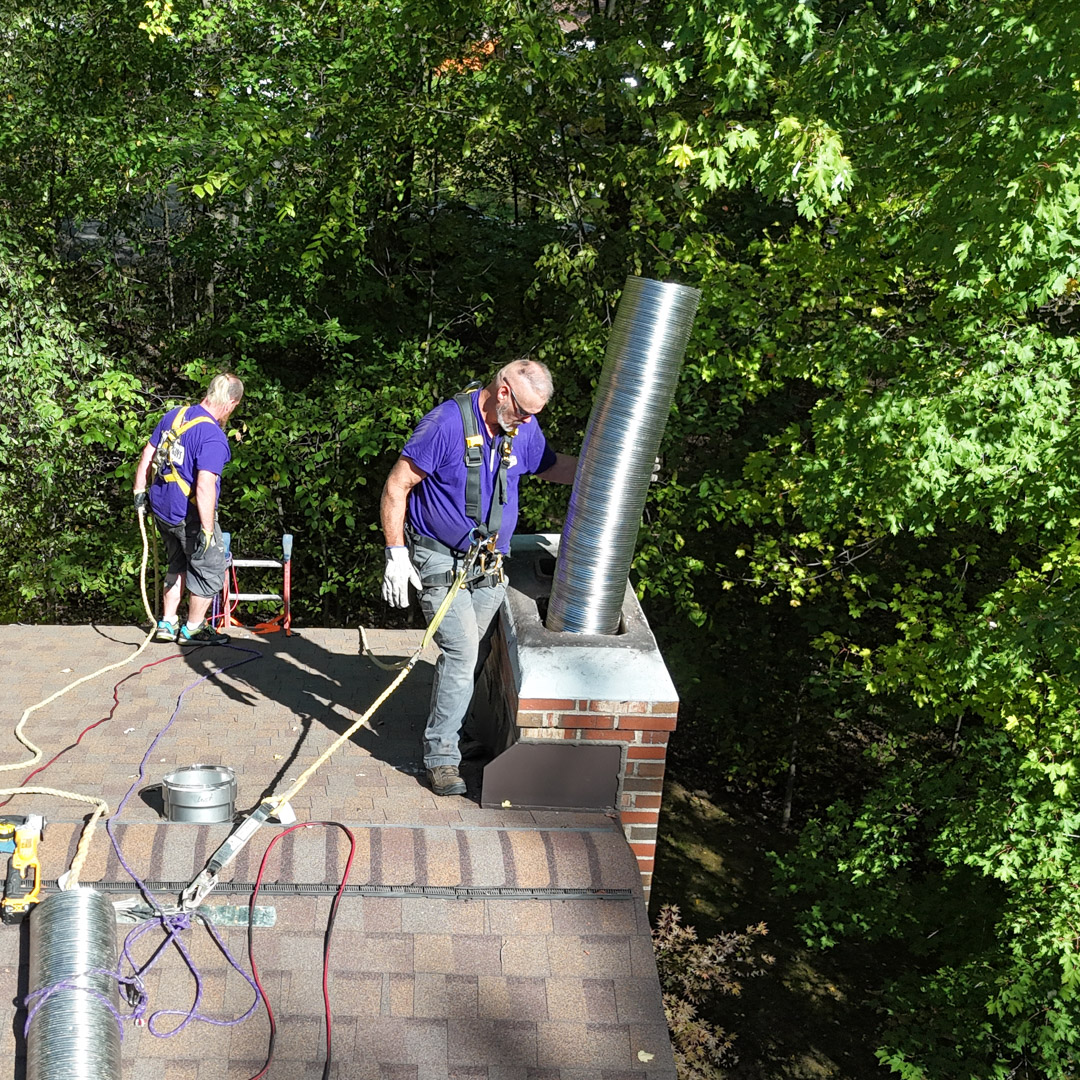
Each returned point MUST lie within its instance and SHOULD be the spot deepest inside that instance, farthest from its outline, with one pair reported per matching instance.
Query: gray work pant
(464, 636)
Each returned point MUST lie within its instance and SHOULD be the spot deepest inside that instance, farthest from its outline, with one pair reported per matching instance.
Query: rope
(140, 777)
(71, 879)
(429, 635)
(101, 807)
(406, 667)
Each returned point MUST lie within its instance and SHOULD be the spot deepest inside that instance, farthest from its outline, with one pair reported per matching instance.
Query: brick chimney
(577, 721)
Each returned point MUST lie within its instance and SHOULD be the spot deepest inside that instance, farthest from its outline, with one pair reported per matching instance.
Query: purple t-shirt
(204, 446)
(436, 505)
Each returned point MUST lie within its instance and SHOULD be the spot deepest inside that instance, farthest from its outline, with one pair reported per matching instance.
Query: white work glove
(399, 572)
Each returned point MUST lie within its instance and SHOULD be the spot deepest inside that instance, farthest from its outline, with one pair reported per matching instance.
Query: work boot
(446, 780)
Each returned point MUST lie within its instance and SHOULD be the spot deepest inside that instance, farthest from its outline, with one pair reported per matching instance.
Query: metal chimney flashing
(621, 666)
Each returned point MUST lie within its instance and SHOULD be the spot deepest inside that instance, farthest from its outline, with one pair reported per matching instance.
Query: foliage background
(862, 559)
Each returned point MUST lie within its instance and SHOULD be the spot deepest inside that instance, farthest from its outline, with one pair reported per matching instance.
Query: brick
(530, 719)
(658, 753)
(664, 708)
(636, 817)
(584, 720)
(645, 851)
(649, 785)
(654, 737)
(548, 704)
(623, 708)
(646, 866)
(549, 733)
(611, 736)
(648, 723)
(646, 802)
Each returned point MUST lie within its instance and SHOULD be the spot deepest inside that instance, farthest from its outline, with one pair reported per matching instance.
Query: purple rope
(171, 924)
(36, 998)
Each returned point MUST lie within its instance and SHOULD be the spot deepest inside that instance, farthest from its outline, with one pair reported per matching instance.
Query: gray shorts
(206, 575)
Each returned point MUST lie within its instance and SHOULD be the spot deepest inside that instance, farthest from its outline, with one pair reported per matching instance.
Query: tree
(359, 207)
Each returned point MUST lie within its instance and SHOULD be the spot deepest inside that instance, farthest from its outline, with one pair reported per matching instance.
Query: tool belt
(485, 575)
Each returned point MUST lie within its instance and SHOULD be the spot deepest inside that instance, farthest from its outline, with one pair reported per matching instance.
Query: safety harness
(488, 570)
(166, 458)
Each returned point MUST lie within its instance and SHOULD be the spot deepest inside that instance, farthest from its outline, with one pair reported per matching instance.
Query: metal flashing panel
(553, 776)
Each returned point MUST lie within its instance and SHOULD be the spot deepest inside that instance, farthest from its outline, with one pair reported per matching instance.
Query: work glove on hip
(203, 543)
(397, 575)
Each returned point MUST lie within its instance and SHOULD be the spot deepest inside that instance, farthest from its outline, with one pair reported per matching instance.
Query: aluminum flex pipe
(74, 1033)
(637, 384)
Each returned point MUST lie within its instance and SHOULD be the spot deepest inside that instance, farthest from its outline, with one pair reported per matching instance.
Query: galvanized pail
(202, 794)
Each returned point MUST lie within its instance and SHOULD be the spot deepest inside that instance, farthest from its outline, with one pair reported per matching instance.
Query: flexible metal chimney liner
(74, 1032)
(633, 399)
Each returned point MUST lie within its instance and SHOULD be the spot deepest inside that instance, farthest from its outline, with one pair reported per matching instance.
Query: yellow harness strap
(179, 426)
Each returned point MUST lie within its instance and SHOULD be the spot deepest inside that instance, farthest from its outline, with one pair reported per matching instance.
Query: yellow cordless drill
(22, 887)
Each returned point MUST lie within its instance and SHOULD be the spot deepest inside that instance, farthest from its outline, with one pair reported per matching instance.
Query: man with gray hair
(179, 478)
(457, 480)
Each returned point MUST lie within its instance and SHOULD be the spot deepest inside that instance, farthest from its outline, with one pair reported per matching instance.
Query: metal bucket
(200, 794)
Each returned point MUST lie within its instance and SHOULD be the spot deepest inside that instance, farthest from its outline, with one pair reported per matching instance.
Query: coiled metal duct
(633, 399)
(73, 1033)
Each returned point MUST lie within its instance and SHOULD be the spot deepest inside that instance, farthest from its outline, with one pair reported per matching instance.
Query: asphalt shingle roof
(481, 944)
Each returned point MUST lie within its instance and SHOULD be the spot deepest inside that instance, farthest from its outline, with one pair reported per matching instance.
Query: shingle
(653, 1039)
(430, 996)
(487, 865)
(530, 858)
(492, 1042)
(461, 996)
(637, 999)
(566, 1000)
(437, 916)
(561, 1044)
(382, 914)
(593, 917)
(385, 952)
(414, 981)
(528, 996)
(477, 954)
(433, 953)
(442, 858)
(398, 857)
(382, 1039)
(525, 956)
(357, 994)
(520, 916)
(571, 859)
(600, 1005)
(425, 1041)
(399, 994)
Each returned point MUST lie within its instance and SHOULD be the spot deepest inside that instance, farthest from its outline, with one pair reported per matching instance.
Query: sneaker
(166, 631)
(205, 635)
(445, 780)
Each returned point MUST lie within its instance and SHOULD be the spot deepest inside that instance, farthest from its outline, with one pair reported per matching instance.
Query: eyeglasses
(524, 414)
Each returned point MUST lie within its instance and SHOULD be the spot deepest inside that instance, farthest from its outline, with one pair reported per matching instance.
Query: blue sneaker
(205, 635)
(166, 631)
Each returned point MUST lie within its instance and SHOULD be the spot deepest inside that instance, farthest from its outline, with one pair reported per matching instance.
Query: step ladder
(230, 599)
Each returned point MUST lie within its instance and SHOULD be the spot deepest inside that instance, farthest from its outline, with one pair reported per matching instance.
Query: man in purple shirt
(428, 533)
(183, 496)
